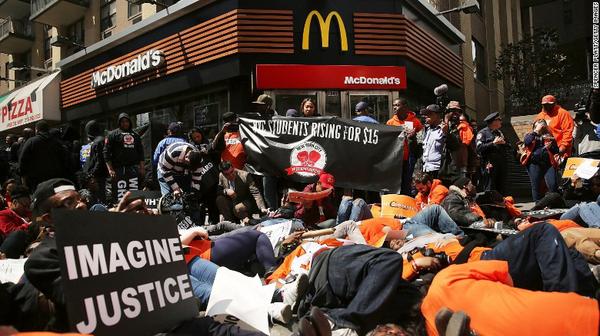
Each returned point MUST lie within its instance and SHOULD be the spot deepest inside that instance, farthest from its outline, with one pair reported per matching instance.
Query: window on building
(479, 66)
(76, 33)
(47, 46)
(108, 13)
(133, 9)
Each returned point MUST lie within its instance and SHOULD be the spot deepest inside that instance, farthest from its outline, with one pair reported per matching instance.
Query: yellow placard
(393, 205)
(574, 162)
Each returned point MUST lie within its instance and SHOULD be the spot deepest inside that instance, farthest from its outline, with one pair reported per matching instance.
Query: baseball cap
(361, 106)
(430, 109)
(453, 105)
(548, 99)
(327, 180)
(49, 188)
(263, 99)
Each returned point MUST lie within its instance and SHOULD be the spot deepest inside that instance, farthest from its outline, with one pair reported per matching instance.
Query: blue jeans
(408, 168)
(538, 173)
(202, 276)
(355, 211)
(183, 181)
(270, 189)
(432, 218)
(585, 214)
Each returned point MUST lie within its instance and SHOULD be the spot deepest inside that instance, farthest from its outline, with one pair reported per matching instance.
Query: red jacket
(410, 121)
(10, 221)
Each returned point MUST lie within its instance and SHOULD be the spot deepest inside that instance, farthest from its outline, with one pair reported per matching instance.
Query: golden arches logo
(324, 25)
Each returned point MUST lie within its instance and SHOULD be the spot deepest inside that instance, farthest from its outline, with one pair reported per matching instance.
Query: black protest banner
(122, 273)
(359, 155)
(151, 197)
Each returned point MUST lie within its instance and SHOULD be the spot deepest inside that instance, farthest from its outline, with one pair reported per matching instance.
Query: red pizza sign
(18, 112)
(356, 77)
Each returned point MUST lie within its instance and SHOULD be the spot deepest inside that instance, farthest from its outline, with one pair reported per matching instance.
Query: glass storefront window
(379, 104)
(286, 101)
(333, 104)
(205, 112)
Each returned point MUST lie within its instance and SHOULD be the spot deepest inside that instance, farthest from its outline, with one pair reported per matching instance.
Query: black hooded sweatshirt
(123, 148)
(95, 164)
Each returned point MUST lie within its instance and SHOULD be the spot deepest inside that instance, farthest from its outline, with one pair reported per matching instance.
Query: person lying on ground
(359, 287)
(585, 240)
(372, 231)
(430, 191)
(585, 214)
(233, 251)
(203, 273)
(486, 292)
(43, 269)
(538, 258)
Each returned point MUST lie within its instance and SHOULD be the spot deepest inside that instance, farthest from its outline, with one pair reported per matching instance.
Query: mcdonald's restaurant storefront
(208, 57)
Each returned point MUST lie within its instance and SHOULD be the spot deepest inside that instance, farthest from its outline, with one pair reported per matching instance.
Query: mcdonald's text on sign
(297, 76)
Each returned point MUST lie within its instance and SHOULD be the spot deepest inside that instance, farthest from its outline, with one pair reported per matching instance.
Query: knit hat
(49, 188)
(462, 182)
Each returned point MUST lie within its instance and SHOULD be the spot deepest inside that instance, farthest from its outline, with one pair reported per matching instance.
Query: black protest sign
(359, 155)
(122, 273)
(124, 181)
(151, 197)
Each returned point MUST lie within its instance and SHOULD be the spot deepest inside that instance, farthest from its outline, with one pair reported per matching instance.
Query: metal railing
(39, 5)
(12, 26)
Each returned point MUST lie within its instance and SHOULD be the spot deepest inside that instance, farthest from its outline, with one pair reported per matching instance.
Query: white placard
(241, 300)
(11, 270)
(277, 232)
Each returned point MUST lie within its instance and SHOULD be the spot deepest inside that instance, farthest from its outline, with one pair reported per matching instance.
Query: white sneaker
(280, 311)
(292, 291)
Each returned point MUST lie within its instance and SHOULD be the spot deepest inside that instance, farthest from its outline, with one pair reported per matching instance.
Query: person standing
(229, 141)
(174, 134)
(94, 165)
(124, 157)
(403, 116)
(541, 163)
(435, 140)
(560, 124)
(492, 148)
(263, 105)
(43, 157)
(363, 115)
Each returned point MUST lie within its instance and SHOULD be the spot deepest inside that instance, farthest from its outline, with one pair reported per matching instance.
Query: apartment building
(36, 35)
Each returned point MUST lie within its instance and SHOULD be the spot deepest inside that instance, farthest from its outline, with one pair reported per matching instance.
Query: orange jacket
(437, 193)
(561, 126)
(372, 229)
(451, 249)
(465, 131)
(234, 150)
(411, 122)
(484, 290)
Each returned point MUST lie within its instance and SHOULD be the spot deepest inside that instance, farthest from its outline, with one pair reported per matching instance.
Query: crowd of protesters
(434, 273)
